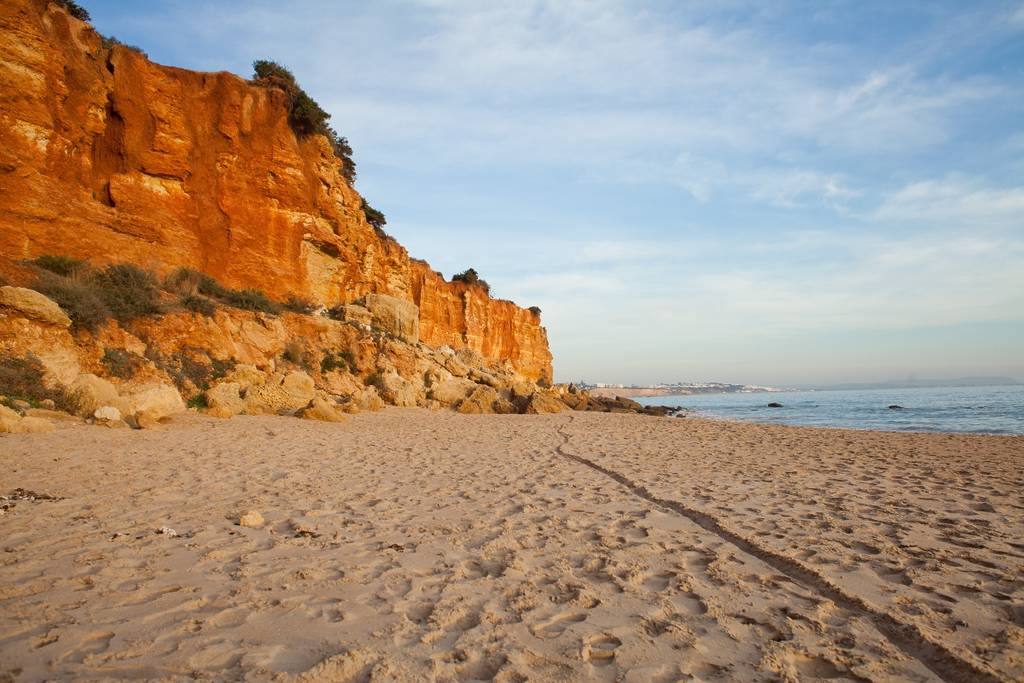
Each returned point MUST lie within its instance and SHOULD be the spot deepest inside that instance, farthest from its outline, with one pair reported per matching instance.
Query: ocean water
(980, 410)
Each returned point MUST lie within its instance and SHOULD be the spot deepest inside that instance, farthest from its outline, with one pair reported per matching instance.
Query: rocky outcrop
(33, 305)
(106, 156)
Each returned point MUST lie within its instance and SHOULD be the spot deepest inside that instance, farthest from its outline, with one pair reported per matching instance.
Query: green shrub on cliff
(471, 277)
(128, 291)
(304, 114)
(74, 9)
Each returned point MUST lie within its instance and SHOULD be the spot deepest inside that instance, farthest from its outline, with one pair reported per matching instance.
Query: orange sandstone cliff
(107, 156)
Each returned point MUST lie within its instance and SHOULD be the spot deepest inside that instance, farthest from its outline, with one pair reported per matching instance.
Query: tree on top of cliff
(74, 9)
(304, 114)
(374, 217)
(471, 277)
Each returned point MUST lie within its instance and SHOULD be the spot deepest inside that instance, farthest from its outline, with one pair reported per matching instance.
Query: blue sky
(722, 190)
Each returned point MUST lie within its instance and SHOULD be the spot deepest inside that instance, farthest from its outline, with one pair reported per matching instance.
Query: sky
(773, 193)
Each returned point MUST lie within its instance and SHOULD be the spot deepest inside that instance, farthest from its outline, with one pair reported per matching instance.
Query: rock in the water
(33, 305)
(773, 404)
(895, 407)
(252, 518)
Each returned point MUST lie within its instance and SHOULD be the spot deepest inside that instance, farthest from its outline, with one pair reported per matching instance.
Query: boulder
(480, 402)
(399, 391)
(540, 402)
(157, 400)
(94, 392)
(354, 313)
(452, 391)
(24, 425)
(8, 413)
(285, 394)
(225, 399)
(399, 317)
(252, 519)
(147, 419)
(324, 410)
(483, 377)
(34, 305)
(455, 366)
(245, 376)
(504, 407)
(51, 415)
(107, 414)
(368, 399)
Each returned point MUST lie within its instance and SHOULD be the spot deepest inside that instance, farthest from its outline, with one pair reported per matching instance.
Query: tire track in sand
(907, 637)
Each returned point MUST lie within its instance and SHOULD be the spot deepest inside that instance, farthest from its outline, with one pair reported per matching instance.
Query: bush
(61, 265)
(198, 304)
(74, 9)
(535, 310)
(22, 379)
(189, 282)
(198, 401)
(128, 291)
(121, 363)
(374, 380)
(294, 353)
(305, 116)
(109, 42)
(77, 297)
(340, 360)
(297, 304)
(251, 300)
(192, 366)
(470, 277)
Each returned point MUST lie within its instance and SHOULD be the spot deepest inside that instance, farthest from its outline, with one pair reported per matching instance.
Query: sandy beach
(413, 545)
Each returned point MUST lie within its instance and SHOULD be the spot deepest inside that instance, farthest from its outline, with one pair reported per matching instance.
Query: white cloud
(955, 200)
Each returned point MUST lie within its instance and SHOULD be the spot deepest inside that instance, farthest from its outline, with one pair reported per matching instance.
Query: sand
(413, 545)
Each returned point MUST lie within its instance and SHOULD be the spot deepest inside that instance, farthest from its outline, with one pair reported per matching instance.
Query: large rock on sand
(285, 394)
(540, 402)
(157, 401)
(399, 391)
(225, 399)
(323, 410)
(94, 392)
(480, 402)
(34, 305)
(452, 391)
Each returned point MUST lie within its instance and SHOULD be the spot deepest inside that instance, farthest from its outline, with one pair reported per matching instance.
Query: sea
(974, 410)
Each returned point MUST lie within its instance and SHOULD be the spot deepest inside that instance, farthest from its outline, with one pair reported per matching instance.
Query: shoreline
(410, 543)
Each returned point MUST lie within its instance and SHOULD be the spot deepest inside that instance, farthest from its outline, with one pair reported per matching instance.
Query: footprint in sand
(553, 627)
(599, 649)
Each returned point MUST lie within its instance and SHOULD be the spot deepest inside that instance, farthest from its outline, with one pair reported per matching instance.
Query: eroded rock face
(107, 156)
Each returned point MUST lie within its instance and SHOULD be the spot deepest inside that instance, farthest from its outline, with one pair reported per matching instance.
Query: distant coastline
(699, 388)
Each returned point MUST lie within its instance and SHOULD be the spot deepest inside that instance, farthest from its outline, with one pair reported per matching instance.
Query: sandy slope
(409, 545)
